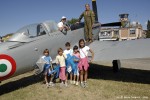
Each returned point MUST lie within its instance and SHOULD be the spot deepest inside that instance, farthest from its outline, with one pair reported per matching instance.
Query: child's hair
(46, 51)
(60, 50)
(75, 47)
(81, 40)
(67, 44)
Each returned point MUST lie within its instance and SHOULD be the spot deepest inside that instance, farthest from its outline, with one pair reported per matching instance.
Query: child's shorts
(76, 72)
(68, 69)
(46, 69)
(83, 64)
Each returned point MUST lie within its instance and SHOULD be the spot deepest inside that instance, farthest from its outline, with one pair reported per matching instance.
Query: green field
(128, 84)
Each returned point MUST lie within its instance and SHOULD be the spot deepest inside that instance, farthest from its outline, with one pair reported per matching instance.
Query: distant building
(109, 34)
(6, 37)
(127, 31)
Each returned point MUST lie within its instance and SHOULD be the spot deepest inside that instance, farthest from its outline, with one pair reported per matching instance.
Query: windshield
(30, 30)
(34, 30)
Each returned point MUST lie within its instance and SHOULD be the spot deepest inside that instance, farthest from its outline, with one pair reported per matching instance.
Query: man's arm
(92, 54)
(93, 17)
(57, 61)
(81, 16)
(66, 26)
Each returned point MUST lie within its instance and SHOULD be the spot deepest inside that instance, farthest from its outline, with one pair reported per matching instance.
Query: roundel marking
(7, 66)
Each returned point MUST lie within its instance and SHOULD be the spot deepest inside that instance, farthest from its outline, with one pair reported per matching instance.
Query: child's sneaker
(74, 82)
(85, 84)
(47, 85)
(71, 82)
(61, 84)
(51, 84)
(82, 85)
(77, 83)
(66, 84)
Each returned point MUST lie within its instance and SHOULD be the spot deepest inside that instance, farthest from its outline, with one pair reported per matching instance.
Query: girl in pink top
(83, 64)
(76, 59)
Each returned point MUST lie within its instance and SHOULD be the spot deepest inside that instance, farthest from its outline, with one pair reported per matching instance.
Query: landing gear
(116, 65)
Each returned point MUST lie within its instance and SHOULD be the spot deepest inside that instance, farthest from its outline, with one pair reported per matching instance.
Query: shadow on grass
(21, 83)
(124, 75)
(95, 72)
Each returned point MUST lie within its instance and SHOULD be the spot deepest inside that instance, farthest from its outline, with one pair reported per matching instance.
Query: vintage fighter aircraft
(20, 53)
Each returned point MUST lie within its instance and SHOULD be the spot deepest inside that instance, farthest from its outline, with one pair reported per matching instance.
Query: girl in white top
(83, 64)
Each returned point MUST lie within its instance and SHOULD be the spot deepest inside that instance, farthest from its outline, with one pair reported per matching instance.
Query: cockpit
(34, 30)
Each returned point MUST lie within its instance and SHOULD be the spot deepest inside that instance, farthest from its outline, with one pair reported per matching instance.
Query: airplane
(20, 53)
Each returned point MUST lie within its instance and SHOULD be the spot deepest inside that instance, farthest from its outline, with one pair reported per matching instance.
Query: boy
(69, 68)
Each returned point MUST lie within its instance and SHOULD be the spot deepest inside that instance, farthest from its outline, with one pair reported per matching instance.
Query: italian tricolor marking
(7, 66)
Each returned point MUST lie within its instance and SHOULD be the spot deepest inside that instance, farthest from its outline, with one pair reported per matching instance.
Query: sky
(15, 14)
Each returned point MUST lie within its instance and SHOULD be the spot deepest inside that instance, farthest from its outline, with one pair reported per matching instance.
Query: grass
(128, 84)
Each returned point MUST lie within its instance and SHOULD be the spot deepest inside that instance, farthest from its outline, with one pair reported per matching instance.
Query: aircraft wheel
(116, 65)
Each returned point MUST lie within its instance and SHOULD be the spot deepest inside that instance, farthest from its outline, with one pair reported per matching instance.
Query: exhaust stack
(94, 6)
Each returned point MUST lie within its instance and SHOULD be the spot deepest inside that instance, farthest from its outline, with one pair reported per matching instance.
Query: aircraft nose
(7, 66)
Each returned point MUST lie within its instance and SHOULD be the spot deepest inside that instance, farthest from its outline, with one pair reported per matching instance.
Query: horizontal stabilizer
(114, 50)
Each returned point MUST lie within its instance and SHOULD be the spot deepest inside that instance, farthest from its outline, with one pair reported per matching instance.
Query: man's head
(87, 6)
(63, 19)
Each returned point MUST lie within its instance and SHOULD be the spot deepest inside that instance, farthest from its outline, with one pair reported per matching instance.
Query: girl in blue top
(47, 67)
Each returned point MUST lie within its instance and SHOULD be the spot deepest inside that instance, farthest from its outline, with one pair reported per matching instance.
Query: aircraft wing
(117, 50)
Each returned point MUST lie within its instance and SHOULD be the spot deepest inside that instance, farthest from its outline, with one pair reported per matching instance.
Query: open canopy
(34, 30)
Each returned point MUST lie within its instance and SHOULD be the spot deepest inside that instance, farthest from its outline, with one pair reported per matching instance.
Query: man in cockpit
(62, 24)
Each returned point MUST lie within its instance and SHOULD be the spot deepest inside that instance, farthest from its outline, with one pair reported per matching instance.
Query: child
(76, 58)
(47, 67)
(83, 64)
(60, 60)
(69, 68)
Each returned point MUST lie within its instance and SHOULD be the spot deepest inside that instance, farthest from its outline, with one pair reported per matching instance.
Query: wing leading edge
(109, 50)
